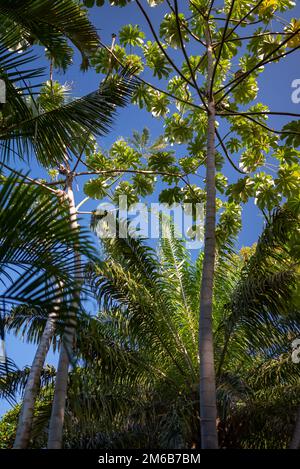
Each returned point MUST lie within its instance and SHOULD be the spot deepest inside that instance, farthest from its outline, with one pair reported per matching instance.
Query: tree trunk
(295, 443)
(59, 401)
(208, 408)
(32, 386)
(61, 383)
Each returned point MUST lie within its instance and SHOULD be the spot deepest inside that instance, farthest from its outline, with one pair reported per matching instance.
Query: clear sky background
(275, 91)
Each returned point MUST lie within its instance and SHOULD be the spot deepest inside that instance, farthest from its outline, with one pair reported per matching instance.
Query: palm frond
(37, 250)
(51, 134)
(52, 24)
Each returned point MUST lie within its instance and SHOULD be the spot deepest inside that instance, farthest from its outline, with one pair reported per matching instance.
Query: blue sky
(275, 91)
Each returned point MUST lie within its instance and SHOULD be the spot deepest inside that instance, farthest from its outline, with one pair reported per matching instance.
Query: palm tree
(138, 383)
(26, 125)
(36, 256)
(150, 304)
(52, 24)
(50, 131)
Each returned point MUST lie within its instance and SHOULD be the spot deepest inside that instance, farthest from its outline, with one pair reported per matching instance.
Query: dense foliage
(185, 351)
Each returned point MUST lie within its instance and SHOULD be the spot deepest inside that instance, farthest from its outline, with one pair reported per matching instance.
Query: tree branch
(262, 62)
(227, 154)
(141, 80)
(183, 24)
(187, 58)
(32, 181)
(221, 48)
(160, 44)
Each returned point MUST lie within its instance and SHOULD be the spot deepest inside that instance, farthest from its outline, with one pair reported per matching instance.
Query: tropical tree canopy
(149, 224)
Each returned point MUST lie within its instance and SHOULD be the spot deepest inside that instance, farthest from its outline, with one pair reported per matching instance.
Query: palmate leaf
(37, 245)
(51, 23)
(292, 139)
(50, 134)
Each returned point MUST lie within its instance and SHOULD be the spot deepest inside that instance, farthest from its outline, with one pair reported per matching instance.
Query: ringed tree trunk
(56, 424)
(32, 385)
(295, 443)
(208, 408)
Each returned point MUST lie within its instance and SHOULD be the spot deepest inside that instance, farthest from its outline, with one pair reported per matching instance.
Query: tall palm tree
(151, 303)
(36, 256)
(138, 385)
(50, 132)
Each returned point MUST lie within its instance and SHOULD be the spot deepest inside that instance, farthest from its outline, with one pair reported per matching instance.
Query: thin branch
(184, 25)
(141, 80)
(223, 139)
(81, 153)
(227, 154)
(61, 182)
(82, 202)
(198, 10)
(256, 113)
(187, 58)
(264, 126)
(210, 8)
(221, 48)
(245, 17)
(134, 171)
(284, 54)
(33, 181)
(262, 62)
(246, 23)
(160, 44)
(137, 171)
(244, 38)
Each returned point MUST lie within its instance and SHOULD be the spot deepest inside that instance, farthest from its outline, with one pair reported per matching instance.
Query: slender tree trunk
(59, 401)
(32, 385)
(61, 383)
(208, 408)
(295, 443)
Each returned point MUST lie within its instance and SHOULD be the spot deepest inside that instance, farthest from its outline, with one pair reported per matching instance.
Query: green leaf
(104, 62)
(246, 91)
(288, 180)
(293, 139)
(156, 60)
(169, 30)
(171, 196)
(178, 129)
(96, 188)
(241, 190)
(162, 161)
(159, 104)
(142, 96)
(131, 35)
(266, 194)
(125, 188)
(143, 184)
(123, 155)
(62, 20)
